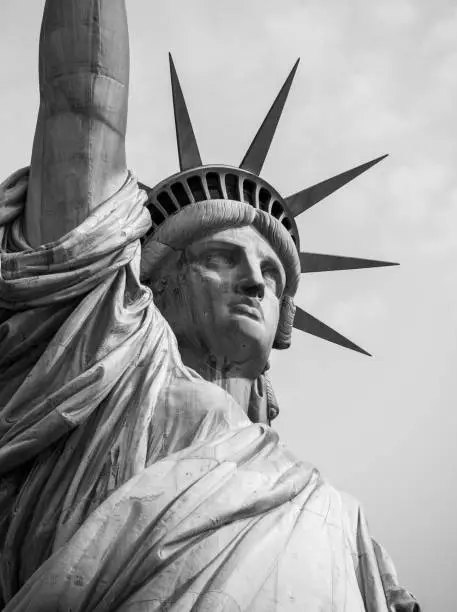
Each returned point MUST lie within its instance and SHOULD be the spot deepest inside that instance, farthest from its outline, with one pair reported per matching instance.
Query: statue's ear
(285, 324)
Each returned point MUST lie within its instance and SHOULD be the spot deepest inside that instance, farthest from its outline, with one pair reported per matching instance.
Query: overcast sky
(375, 77)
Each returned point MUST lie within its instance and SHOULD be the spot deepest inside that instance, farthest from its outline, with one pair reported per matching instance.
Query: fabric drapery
(129, 483)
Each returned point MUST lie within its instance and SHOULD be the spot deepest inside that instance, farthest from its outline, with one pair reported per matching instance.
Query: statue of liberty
(139, 469)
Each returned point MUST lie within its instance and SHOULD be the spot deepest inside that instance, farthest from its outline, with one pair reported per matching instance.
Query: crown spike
(309, 324)
(318, 262)
(189, 155)
(258, 150)
(302, 200)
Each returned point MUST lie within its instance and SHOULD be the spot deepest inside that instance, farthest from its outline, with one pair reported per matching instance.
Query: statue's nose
(252, 289)
(251, 282)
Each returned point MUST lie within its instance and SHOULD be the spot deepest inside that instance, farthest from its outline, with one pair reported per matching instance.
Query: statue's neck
(223, 374)
(245, 384)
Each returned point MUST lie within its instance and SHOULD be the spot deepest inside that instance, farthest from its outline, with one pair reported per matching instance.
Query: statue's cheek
(212, 282)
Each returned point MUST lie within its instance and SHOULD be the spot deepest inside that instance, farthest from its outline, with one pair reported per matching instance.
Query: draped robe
(130, 483)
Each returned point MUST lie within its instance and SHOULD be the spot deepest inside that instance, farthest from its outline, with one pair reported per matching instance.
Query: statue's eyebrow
(216, 244)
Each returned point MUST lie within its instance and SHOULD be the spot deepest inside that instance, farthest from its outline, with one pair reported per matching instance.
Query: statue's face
(231, 285)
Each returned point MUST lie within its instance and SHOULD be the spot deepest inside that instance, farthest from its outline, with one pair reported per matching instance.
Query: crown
(196, 182)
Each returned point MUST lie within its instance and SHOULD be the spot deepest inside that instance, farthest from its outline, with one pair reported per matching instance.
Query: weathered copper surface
(215, 182)
(78, 157)
(309, 324)
(302, 200)
(139, 471)
(189, 155)
(259, 147)
(319, 262)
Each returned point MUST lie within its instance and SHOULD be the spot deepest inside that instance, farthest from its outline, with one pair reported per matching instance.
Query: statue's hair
(164, 248)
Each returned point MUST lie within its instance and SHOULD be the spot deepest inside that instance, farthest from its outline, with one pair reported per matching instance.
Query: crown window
(232, 187)
(166, 202)
(264, 199)
(249, 191)
(196, 186)
(214, 186)
(156, 216)
(276, 209)
(180, 194)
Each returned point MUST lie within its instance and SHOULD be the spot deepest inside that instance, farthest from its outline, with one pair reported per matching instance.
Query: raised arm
(78, 157)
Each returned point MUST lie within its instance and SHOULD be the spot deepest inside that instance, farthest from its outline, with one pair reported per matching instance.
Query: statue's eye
(219, 259)
(273, 279)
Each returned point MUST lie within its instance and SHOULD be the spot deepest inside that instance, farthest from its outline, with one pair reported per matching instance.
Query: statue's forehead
(246, 238)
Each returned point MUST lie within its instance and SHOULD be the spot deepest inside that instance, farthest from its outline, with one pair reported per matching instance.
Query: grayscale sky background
(375, 77)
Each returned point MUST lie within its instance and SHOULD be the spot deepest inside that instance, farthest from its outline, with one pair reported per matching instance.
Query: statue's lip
(248, 307)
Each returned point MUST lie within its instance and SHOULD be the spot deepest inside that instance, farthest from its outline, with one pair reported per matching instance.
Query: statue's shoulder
(355, 525)
(351, 506)
(339, 508)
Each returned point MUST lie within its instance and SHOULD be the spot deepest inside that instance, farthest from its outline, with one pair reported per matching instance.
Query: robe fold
(127, 481)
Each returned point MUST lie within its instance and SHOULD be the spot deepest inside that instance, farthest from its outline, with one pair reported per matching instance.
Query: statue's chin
(238, 343)
(243, 341)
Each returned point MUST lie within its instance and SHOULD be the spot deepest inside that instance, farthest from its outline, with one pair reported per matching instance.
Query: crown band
(215, 182)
